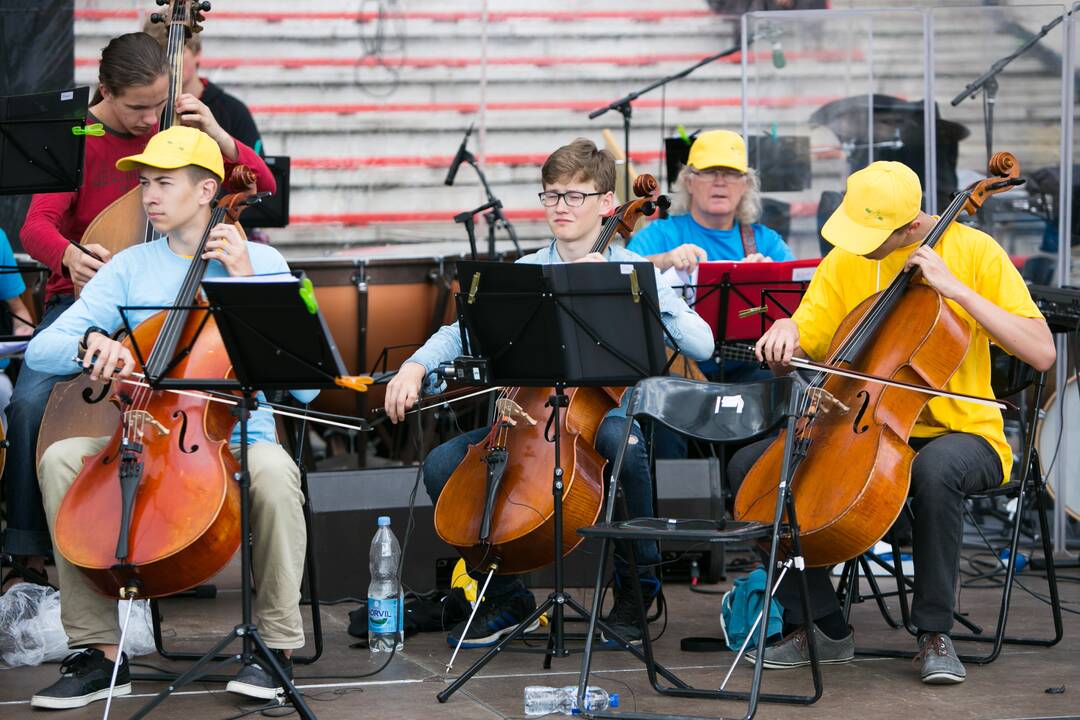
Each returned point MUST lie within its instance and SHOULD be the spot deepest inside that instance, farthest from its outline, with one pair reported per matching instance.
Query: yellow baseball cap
(880, 198)
(177, 147)
(718, 148)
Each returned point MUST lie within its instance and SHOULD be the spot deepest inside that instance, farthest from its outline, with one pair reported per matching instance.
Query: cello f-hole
(862, 411)
(183, 433)
(88, 394)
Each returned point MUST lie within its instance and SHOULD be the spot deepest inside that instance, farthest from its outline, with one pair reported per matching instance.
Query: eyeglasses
(713, 174)
(572, 198)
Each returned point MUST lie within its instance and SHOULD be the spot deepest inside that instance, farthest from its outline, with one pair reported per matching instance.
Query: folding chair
(1011, 378)
(719, 413)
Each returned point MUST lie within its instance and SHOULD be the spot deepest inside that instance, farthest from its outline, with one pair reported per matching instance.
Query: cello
(123, 222)
(853, 463)
(173, 519)
(497, 508)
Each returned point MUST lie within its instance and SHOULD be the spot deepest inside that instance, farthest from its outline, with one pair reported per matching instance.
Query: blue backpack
(741, 605)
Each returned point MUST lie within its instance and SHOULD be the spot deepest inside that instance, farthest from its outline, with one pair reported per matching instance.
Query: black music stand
(275, 339)
(562, 325)
(42, 142)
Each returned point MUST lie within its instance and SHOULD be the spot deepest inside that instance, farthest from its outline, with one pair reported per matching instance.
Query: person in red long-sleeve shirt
(132, 92)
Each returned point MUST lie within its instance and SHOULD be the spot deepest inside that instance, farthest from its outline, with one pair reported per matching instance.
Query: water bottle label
(383, 616)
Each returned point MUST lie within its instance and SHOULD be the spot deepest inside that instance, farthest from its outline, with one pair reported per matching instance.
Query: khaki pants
(279, 540)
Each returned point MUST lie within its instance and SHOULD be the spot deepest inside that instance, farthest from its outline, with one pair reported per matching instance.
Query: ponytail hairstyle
(130, 60)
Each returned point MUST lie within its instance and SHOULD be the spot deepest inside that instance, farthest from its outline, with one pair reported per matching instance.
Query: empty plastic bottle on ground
(384, 592)
(544, 700)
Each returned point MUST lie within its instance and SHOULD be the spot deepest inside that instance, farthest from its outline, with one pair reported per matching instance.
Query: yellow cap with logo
(718, 148)
(177, 147)
(880, 198)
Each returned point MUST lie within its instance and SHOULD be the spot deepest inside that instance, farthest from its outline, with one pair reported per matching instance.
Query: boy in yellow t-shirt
(877, 232)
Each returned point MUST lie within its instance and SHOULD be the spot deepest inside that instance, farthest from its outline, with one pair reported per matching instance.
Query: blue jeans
(635, 481)
(27, 532)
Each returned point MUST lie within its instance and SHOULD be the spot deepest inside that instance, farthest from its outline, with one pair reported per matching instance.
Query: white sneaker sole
(943, 678)
(615, 643)
(253, 691)
(494, 638)
(773, 665)
(57, 703)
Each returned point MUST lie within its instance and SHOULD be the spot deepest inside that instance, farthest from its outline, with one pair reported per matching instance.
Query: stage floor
(1015, 686)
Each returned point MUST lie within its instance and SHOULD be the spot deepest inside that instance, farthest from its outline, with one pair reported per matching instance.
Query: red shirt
(53, 218)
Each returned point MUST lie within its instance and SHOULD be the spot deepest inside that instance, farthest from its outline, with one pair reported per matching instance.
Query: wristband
(93, 329)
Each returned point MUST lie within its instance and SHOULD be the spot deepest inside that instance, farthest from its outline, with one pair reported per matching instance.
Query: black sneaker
(496, 617)
(623, 618)
(257, 682)
(85, 677)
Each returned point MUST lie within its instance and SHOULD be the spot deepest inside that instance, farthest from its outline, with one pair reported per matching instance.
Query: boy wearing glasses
(714, 211)
(578, 192)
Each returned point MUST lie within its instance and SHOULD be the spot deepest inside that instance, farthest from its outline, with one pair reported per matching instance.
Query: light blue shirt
(145, 275)
(664, 235)
(692, 334)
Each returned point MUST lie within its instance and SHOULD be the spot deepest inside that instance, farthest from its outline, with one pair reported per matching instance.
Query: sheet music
(281, 277)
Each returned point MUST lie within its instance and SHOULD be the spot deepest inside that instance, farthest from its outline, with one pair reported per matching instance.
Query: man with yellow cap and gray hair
(877, 232)
(714, 213)
(179, 172)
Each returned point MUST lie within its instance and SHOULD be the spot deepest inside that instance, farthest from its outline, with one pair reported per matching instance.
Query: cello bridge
(137, 420)
(511, 411)
(825, 401)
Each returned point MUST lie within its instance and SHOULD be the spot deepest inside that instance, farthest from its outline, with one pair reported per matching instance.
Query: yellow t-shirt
(844, 280)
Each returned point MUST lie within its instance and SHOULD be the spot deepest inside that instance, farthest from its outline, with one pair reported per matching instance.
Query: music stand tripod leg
(246, 630)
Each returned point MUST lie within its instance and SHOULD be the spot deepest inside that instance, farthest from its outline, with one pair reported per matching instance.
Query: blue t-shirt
(11, 282)
(663, 235)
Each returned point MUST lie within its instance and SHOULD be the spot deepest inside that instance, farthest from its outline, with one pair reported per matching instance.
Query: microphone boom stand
(495, 219)
(624, 104)
(987, 82)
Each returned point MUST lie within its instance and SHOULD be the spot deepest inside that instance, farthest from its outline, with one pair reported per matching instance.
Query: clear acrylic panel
(847, 87)
(844, 85)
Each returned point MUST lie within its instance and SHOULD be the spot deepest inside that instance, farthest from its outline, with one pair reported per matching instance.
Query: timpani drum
(379, 311)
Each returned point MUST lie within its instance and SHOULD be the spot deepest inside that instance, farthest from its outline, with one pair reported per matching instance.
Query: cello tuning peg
(204, 6)
(156, 18)
(162, 2)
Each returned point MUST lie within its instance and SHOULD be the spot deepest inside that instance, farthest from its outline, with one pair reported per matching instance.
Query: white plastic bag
(31, 632)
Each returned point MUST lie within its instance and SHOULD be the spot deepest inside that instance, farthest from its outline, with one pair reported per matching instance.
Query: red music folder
(730, 295)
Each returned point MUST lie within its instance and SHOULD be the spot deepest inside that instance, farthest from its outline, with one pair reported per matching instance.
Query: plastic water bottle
(544, 700)
(385, 630)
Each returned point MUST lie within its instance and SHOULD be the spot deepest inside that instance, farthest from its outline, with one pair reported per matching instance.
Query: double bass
(853, 467)
(497, 508)
(173, 519)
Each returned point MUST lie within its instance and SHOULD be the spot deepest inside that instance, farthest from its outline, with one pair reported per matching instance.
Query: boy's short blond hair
(580, 160)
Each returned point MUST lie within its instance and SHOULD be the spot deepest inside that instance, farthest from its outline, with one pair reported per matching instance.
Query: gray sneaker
(938, 660)
(793, 650)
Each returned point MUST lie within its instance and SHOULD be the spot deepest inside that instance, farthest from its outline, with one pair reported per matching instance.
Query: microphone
(462, 153)
(774, 35)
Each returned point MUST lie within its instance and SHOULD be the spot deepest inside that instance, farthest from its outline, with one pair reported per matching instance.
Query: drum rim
(1045, 412)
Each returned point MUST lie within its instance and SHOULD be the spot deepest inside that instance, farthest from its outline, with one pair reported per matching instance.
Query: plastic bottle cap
(384, 520)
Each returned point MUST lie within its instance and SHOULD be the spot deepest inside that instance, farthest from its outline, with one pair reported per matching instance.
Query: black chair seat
(693, 530)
